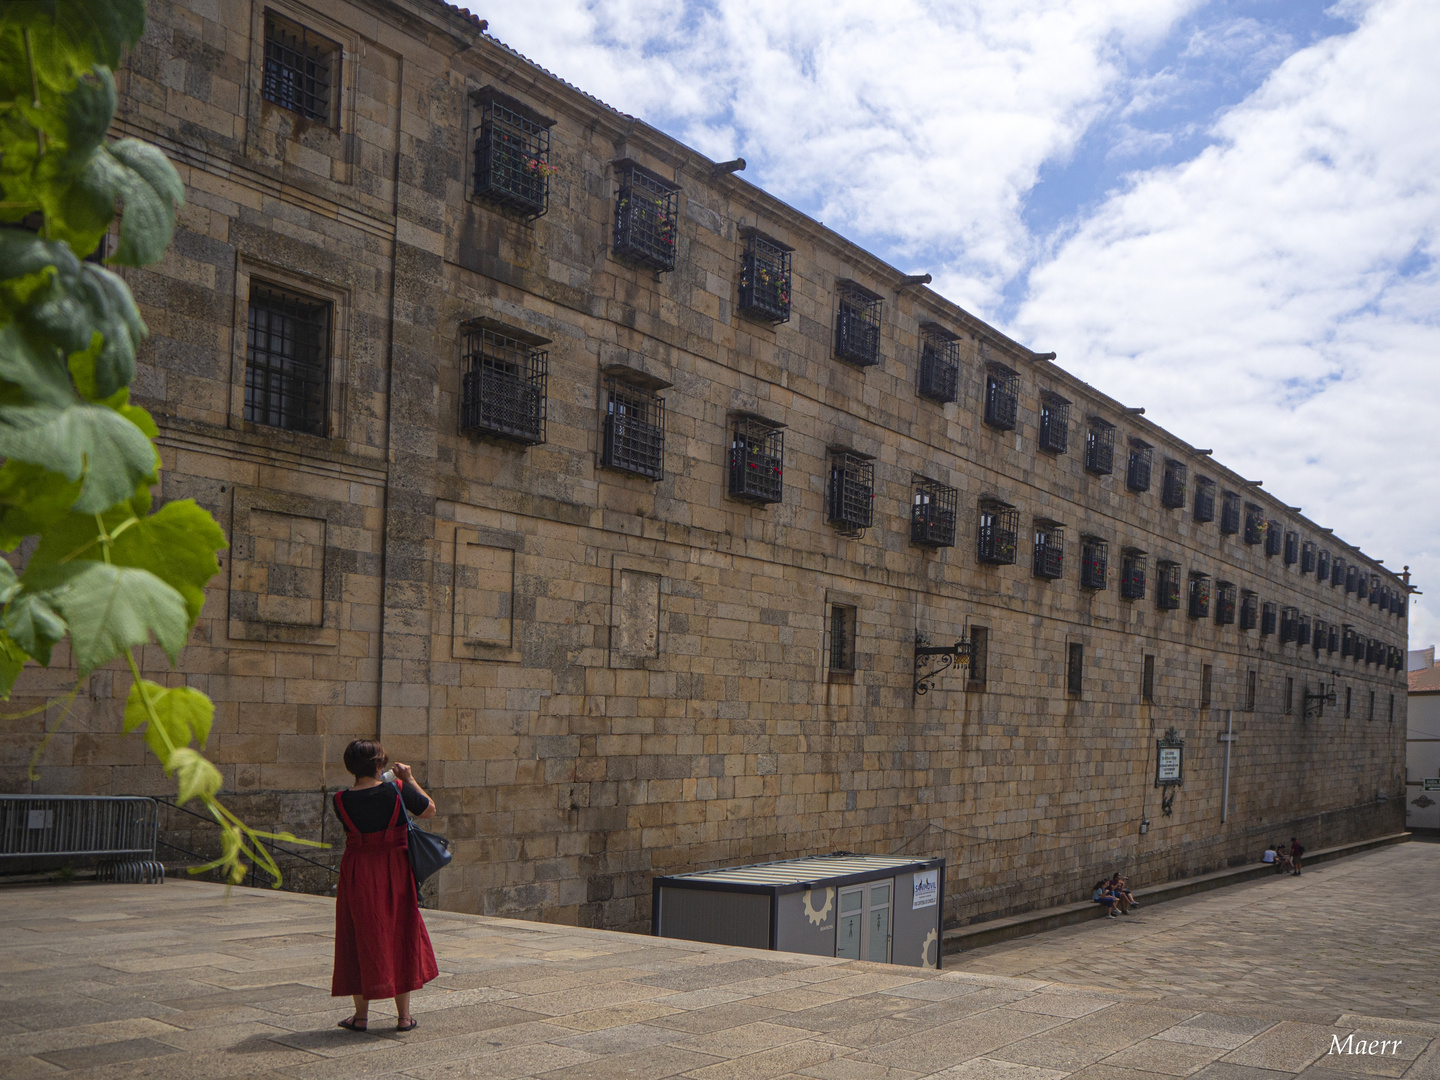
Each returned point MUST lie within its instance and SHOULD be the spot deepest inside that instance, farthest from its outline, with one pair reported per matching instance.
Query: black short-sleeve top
(370, 808)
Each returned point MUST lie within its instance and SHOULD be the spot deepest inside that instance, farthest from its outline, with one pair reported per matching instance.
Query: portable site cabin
(864, 907)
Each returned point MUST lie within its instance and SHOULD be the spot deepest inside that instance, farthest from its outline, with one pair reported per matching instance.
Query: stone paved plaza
(102, 982)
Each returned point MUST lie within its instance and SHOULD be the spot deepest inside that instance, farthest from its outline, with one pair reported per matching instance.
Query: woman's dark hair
(365, 757)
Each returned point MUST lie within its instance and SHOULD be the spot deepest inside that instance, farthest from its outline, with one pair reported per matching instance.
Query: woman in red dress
(381, 947)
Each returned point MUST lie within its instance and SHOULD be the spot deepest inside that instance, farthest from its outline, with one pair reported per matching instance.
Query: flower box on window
(1230, 513)
(647, 209)
(765, 279)
(512, 154)
(1054, 423)
(939, 364)
(997, 533)
(1225, 594)
(502, 386)
(933, 507)
(1002, 396)
(1204, 499)
(1132, 574)
(1199, 596)
(1172, 484)
(1099, 447)
(1049, 557)
(757, 459)
(1137, 473)
(1167, 585)
(1255, 524)
(1249, 610)
(1094, 562)
(851, 499)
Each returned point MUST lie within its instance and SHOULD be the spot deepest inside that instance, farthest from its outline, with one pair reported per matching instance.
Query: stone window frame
(835, 599)
(244, 500)
(250, 269)
(449, 594)
(1147, 680)
(1075, 668)
(1207, 685)
(655, 567)
(979, 660)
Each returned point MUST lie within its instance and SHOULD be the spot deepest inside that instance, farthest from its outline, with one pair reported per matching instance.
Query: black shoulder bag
(428, 852)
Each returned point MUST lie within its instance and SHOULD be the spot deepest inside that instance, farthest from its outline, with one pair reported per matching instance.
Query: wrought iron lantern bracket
(1315, 703)
(931, 660)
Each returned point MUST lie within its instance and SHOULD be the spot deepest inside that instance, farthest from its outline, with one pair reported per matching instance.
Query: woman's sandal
(352, 1024)
(407, 1025)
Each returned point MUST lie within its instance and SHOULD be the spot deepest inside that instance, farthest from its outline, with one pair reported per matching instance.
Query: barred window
(1351, 579)
(1147, 680)
(1374, 589)
(857, 325)
(287, 360)
(1321, 636)
(1167, 585)
(1307, 557)
(1289, 695)
(1049, 557)
(1249, 610)
(1100, 447)
(1333, 645)
(502, 391)
(1230, 513)
(1224, 603)
(1002, 396)
(1132, 574)
(757, 460)
(933, 508)
(1292, 547)
(842, 638)
(1255, 524)
(1302, 630)
(634, 430)
(939, 364)
(1199, 596)
(1273, 537)
(1172, 487)
(1206, 679)
(1267, 620)
(1094, 555)
(765, 279)
(1250, 691)
(512, 154)
(1137, 473)
(302, 71)
(1075, 669)
(1322, 566)
(851, 500)
(1337, 572)
(1054, 423)
(1289, 625)
(647, 208)
(979, 657)
(1204, 499)
(997, 534)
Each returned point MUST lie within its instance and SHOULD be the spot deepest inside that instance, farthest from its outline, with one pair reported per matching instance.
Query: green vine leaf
(182, 715)
(98, 444)
(31, 501)
(12, 660)
(34, 625)
(195, 777)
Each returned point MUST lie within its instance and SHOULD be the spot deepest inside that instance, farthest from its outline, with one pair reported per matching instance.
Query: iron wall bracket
(931, 660)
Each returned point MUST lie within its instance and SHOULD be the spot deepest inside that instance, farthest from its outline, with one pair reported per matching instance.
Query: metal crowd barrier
(120, 829)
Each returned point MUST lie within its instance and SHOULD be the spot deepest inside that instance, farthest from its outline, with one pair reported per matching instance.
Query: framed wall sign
(1169, 759)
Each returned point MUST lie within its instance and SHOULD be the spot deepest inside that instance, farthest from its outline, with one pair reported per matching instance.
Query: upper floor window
(1054, 423)
(1320, 634)
(1249, 610)
(1307, 557)
(1347, 643)
(1333, 634)
(996, 536)
(1137, 474)
(512, 154)
(647, 210)
(857, 325)
(634, 430)
(1094, 562)
(932, 513)
(842, 638)
(1352, 578)
(1172, 485)
(1075, 669)
(1002, 396)
(1274, 538)
(850, 505)
(1255, 524)
(302, 71)
(1199, 596)
(1267, 620)
(502, 386)
(757, 459)
(1302, 629)
(1230, 512)
(1049, 556)
(939, 363)
(287, 360)
(1224, 603)
(1132, 574)
(1289, 625)
(765, 278)
(1322, 566)
(1100, 447)
(1374, 589)
(1337, 572)
(1167, 585)
(1204, 499)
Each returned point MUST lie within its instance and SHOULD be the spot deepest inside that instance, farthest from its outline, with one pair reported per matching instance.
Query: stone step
(964, 938)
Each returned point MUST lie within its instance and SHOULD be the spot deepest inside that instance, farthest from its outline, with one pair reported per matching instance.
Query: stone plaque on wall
(637, 615)
(277, 571)
(484, 594)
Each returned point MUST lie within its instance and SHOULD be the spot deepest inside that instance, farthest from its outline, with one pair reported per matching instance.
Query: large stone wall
(600, 677)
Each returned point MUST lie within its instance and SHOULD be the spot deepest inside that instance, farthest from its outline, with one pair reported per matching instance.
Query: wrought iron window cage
(933, 510)
(1049, 556)
(647, 212)
(1384, 593)
(1132, 574)
(1337, 572)
(1230, 513)
(1274, 538)
(1054, 423)
(1137, 472)
(634, 430)
(1002, 396)
(1167, 585)
(1307, 557)
(287, 360)
(1318, 644)
(502, 390)
(939, 364)
(1322, 565)
(1094, 562)
(1302, 630)
(757, 459)
(842, 638)
(302, 71)
(512, 154)
(1225, 595)
(1347, 643)
(997, 534)
(765, 279)
(1351, 578)
(1289, 625)
(1204, 499)
(1199, 596)
(1099, 447)
(1172, 484)
(1372, 654)
(1255, 524)
(857, 325)
(850, 505)
(1267, 620)
(1292, 547)
(1249, 610)
(1368, 588)
(1402, 608)
(1333, 644)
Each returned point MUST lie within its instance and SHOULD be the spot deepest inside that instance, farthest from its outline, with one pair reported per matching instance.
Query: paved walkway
(103, 982)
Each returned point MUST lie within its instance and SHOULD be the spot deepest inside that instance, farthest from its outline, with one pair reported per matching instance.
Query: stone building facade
(401, 388)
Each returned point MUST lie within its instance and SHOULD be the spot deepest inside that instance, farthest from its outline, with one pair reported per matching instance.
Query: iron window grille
(1384, 598)
(1137, 473)
(1204, 499)
(1094, 567)
(978, 674)
(1100, 447)
(1292, 547)
(997, 534)
(1230, 513)
(1249, 610)
(1167, 586)
(1255, 524)
(1049, 558)
(1273, 538)
(933, 510)
(1322, 566)
(757, 460)
(939, 364)
(1267, 620)
(1132, 574)
(1075, 669)
(1337, 572)
(1250, 680)
(1351, 579)
(765, 279)
(302, 71)
(1333, 645)
(1054, 423)
(634, 430)
(647, 210)
(1172, 485)
(502, 390)
(1206, 683)
(1199, 596)
(851, 502)
(1373, 588)
(1348, 643)
(287, 361)
(1225, 593)
(1318, 645)
(512, 155)
(1307, 557)
(1302, 630)
(1289, 625)
(1372, 656)
(857, 325)
(1402, 607)
(1002, 396)
(842, 638)
(1147, 680)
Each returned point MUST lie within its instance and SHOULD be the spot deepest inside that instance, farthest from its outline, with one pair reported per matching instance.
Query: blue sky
(1224, 211)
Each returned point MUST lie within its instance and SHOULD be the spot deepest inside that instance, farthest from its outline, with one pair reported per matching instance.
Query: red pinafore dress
(381, 946)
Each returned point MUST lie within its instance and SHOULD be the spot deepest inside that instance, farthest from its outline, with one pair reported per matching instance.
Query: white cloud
(1252, 298)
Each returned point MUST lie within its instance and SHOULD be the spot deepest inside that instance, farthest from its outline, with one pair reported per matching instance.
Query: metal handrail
(269, 844)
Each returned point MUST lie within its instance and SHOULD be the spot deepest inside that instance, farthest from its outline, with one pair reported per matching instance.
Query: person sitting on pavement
(1269, 857)
(1282, 858)
(1117, 905)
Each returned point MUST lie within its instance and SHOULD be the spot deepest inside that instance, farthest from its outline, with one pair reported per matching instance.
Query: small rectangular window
(1172, 486)
(1002, 396)
(1351, 578)
(1147, 684)
(647, 212)
(1094, 562)
(1255, 524)
(850, 505)
(1347, 703)
(1132, 574)
(1267, 620)
(1392, 708)
(287, 360)
(1230, 513)
(998, 532)
(1205, 680)
(757, 460)
(634, 431)
(1049, 558)
(1273, 537)
(1249, 610)
(1199, 596)
(302, 71)
(1372, 706)
(1289, 625)
(1167, 585)
(1204, 499)
(512, 154)
(1322, 566)
(765, 279)
(1250, 679)
(1100, 447)
(1224, 603)
(857, 325)
(1302, 630)
(1137, 472)
(1075, 669)
(842, 638)
(939, 364)
(1337, 572)
(1321, 633)
(502, 391)
(1307, 557)
(979, 657)
(932, 513)
(1289, 695)
(1054, 423)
